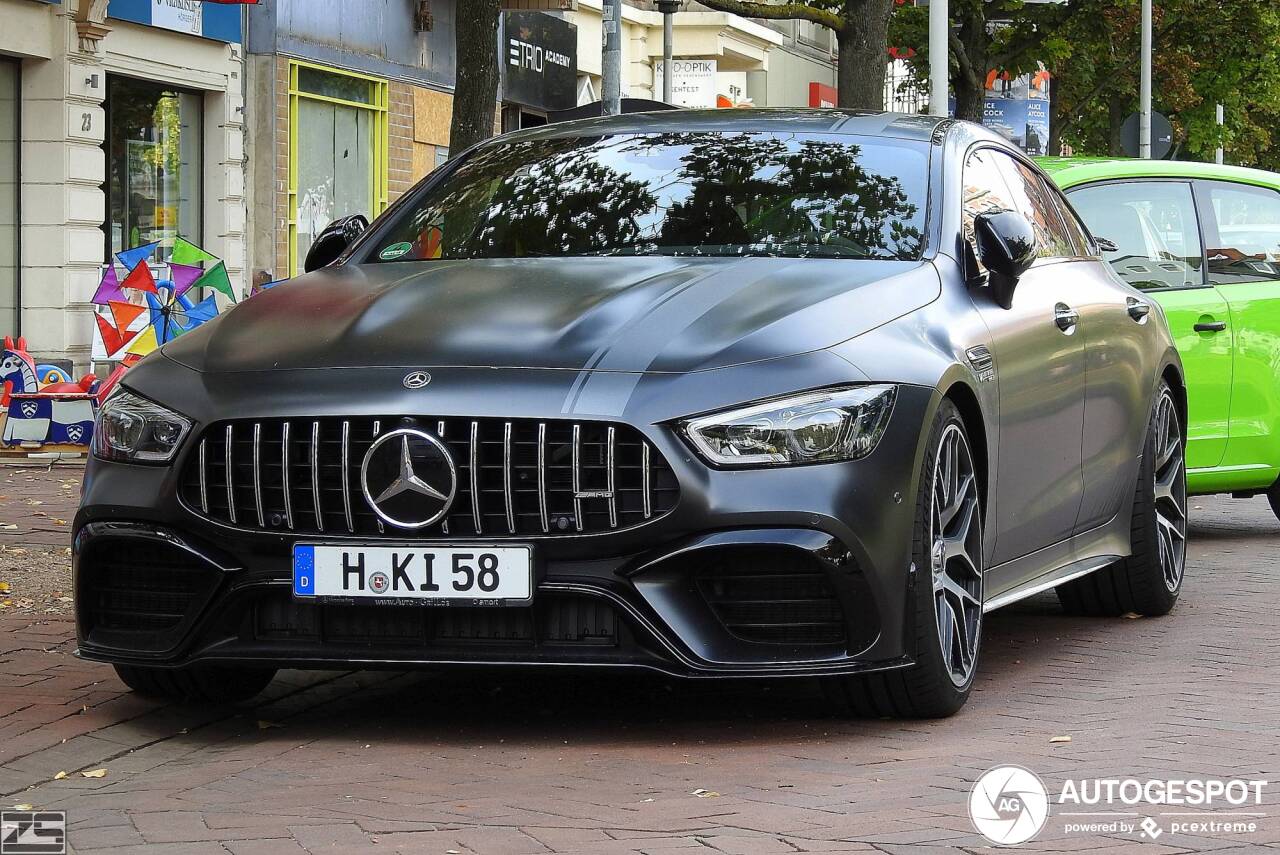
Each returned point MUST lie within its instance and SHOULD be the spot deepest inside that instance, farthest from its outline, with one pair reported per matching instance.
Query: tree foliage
(861, 29)
(1206, 52)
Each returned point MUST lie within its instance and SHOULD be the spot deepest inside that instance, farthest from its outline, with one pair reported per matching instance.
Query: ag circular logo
(1009, 805)
(408, 478)
(378, 583)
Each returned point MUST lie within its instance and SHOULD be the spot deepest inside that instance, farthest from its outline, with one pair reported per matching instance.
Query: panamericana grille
(520, 478)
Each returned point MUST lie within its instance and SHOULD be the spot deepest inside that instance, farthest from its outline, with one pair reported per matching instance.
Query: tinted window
(1075, 230)
(706, 194)
(1152, 224)
(1246, 247)
(1032, 199)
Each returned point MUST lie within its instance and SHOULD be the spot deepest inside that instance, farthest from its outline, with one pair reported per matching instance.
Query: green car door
(1241, 227)
(1153, 229)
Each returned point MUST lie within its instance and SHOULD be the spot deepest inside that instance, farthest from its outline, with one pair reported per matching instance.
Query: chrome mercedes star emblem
(416, 379)
(408, 478)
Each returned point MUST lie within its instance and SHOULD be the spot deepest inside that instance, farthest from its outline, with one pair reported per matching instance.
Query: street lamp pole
(939, 32)
(1144, 119)
(611, 59)
(667, 8)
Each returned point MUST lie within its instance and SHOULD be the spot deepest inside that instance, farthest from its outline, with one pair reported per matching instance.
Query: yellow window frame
(379, 145)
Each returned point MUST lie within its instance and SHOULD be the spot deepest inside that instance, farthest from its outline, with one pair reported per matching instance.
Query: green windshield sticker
(395, 251)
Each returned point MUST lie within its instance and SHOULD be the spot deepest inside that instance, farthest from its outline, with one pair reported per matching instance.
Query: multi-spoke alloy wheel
(1170, 480)
(1148, 581)
(955, 533)
(946, 606)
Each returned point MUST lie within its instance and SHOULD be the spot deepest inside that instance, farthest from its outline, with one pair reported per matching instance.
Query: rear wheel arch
(1177, 386)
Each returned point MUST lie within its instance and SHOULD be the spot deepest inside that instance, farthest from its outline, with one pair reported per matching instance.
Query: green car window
(1244, 240)
(1153, 226)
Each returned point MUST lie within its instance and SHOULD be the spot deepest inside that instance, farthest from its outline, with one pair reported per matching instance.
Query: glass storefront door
(338, 151)
(154, 148)
(9, 149)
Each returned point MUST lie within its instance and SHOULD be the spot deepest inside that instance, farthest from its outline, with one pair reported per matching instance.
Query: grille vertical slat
(257, 473)
(475, 477)
(508, 498)
(231, 489)
(577, 475)
(645, 480)
(315, 474)
(440, 429)
(542, 477)
(515, 478)
(346, 476)
(204, 479)
(284, 472)
(613, 497)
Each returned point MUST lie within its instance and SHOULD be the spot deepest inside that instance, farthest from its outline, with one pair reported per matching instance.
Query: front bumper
(772, 572)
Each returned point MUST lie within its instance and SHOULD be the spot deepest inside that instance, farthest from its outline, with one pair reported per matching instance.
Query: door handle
(1137, 309)
(1210, 326)
(1066, 318)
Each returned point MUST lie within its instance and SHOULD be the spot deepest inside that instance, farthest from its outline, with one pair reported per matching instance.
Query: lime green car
(1204, 241)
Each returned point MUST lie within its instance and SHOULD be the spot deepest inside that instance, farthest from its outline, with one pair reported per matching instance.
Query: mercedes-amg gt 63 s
(716, 394)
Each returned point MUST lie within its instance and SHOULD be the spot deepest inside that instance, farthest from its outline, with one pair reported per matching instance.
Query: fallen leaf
(95, 773)
(1130, 615)
(22, 807)
(59, 522)
(59, 776)
(5, 587)
(1059, 739)
(263, 724)
(705, 794)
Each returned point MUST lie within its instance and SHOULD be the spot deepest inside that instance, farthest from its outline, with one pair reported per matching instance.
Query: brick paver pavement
(505, 765)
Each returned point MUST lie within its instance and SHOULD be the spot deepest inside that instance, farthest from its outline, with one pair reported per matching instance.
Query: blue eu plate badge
(304, 567)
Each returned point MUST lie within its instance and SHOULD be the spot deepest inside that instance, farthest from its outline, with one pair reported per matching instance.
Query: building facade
(121, 122)
(349, 104)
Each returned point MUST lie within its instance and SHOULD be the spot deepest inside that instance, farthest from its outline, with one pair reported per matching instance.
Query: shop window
(337, 151)
(154, 152)
(9, 264)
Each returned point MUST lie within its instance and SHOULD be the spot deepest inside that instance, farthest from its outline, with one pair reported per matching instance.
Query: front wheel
(947, 594)
(1149, 580)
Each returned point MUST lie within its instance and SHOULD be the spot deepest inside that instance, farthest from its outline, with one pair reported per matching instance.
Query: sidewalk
(529, 764)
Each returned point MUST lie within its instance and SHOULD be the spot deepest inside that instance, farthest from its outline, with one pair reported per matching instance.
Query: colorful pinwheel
(161, 310)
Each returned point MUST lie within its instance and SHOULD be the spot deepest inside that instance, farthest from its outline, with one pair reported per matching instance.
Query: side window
(985, 192)
(1152, 224)
(1031, 199)
(1075, 230)
(1244, 236)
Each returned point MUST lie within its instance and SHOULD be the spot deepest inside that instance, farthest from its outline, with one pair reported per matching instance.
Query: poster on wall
(1017, 108)
(693, 81)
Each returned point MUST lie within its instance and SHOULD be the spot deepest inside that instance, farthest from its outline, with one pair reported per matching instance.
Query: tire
(1149, 580)
(1273, 496)
(217, 684)
(946, 597)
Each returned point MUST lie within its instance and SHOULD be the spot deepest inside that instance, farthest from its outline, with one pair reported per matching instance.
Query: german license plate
(472, 574)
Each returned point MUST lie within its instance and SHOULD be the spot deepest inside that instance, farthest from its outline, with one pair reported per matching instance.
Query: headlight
(132, 429)
(819, 427)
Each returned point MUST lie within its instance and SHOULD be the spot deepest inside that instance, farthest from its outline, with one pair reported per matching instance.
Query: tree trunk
(1116, 114)
(475, 97)
(970, 70)
(863, 49)
(1055, 116)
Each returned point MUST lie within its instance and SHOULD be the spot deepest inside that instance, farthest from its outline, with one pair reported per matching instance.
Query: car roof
(1072, 171)
(903, 126)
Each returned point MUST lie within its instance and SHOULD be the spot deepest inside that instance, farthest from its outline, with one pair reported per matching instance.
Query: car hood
(653, 313)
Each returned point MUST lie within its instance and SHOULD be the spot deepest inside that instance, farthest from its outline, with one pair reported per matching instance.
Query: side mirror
(334, 240)
(1007, 247)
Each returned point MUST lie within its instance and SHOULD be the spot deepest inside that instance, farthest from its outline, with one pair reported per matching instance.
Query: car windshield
(674, 193)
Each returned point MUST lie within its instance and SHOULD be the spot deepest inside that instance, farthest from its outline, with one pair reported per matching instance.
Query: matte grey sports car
(720, 394)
